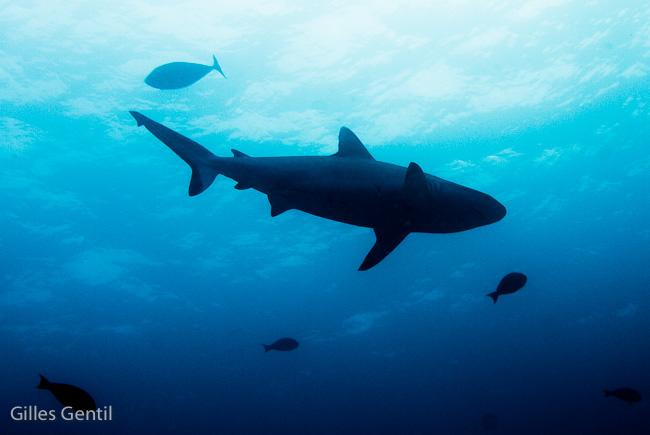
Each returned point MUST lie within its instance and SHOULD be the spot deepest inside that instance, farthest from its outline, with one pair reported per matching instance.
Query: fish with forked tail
(627, 394)
(509, 284)
(283, 344)
(69, 395)
(177, 75)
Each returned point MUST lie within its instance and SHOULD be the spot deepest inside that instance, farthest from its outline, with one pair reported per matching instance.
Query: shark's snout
(492, 211)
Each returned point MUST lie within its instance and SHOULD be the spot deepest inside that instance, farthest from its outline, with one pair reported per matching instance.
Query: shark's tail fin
(217, 67)
(202, 161)
(266, 348)
(607, 393)
(494, 295)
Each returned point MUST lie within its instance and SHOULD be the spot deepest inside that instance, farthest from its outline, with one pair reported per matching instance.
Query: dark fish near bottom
(69, 395)
(509, 284)
(282, 344)
(627, 394)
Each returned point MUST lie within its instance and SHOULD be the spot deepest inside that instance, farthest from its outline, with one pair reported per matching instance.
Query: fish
(349, 186)
(627, 394)
(69, 395)
(509, 284)
(490, 422)
(283, 344)
(177, 75)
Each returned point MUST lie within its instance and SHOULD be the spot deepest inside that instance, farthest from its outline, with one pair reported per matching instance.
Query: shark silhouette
(349, 186)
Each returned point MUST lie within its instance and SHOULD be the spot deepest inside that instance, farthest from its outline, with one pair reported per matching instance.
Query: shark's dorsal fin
(351, 146)
(387, 240)
(415, 186)
(238, 153)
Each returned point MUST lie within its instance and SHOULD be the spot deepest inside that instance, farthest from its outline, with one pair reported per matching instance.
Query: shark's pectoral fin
(279, 203)
(387, 240)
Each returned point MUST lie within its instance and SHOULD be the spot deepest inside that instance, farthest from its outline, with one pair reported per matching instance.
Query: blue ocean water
(113, 279)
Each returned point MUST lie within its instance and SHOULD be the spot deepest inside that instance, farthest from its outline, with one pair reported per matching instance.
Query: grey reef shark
(349, 186)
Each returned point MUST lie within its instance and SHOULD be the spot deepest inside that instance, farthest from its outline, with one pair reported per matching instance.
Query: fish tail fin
(217, 67)
(45, 384)
(607, 393)
(202, 161)
(266, 348)
(494, 295)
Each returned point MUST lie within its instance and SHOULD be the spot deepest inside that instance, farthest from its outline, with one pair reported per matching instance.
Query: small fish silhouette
(627, 394)
(69, 395)
(509, 284)
(282, 344)
(177, 75)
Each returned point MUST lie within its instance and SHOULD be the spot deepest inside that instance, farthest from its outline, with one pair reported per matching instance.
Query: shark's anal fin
(351, 146)
(387, 240)
(279, 204)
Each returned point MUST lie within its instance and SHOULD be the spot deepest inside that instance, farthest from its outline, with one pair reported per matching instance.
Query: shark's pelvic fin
(351, 146)
(387, 240)
(217, 67)
(416, 188)
(202, 161)
(279, 204)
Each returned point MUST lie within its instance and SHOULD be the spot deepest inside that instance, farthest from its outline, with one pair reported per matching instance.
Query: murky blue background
(114, 280)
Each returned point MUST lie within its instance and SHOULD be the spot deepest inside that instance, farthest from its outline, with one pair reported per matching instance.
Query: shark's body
(349, 186)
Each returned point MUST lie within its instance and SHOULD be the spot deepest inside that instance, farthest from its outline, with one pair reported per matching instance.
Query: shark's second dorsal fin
(238, 153)
(351, 146)
(415, 186)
